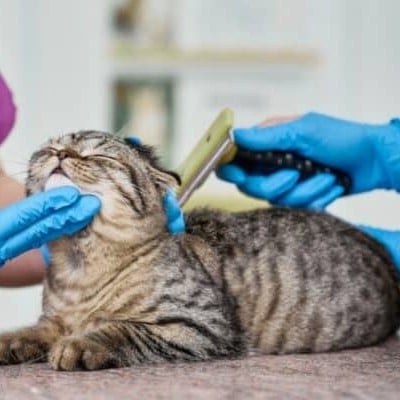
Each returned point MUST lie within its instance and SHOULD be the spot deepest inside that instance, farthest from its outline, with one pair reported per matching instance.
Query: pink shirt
(7, 110)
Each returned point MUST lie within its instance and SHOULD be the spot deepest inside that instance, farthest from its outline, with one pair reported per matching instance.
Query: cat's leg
(123, 343)
(29, 344)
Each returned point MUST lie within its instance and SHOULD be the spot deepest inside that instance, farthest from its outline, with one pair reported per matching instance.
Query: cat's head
(125, 176)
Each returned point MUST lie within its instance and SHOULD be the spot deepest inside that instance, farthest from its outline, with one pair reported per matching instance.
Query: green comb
(214, 148)
(124, 132)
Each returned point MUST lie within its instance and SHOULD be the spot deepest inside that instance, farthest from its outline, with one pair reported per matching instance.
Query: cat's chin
(58, 180)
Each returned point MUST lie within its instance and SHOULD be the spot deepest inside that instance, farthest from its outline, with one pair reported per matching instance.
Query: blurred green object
(233, 203)
(214, 145)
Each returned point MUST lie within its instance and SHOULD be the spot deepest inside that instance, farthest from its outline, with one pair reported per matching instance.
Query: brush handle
(267, 162)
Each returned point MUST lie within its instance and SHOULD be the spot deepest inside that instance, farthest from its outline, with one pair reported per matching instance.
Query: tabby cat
(125, 291)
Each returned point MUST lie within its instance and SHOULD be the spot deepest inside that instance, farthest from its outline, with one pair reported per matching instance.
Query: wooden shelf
(128, 61)
(123, 52)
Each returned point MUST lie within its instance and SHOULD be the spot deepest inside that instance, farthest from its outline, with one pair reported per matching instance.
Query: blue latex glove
(369, 154)
(390, 239)
(175, 218)
(43, 217)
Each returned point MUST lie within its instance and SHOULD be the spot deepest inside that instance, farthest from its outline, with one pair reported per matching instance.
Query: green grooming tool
(217, 147)
(214, 148)
(124, 132)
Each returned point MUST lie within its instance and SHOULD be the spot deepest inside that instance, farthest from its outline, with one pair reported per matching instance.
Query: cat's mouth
(58, 170)
(57, 178)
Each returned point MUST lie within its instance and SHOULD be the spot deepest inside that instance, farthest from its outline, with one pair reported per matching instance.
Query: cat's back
(304, 281)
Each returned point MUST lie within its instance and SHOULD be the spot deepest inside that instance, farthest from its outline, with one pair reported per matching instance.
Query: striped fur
(124, 291)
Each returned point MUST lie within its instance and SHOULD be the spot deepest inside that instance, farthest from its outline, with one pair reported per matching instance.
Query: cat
(125, 291)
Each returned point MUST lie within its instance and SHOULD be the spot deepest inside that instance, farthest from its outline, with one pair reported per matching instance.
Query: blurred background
(167, 67)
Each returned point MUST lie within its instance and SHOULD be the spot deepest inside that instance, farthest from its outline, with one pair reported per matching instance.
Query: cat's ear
(164, 178)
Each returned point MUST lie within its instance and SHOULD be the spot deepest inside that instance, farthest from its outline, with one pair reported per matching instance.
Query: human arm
(389, 238)
(29, 223)
(368, 153)
(28, 268)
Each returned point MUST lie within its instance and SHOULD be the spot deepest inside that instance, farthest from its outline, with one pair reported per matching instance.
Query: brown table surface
(369, 373)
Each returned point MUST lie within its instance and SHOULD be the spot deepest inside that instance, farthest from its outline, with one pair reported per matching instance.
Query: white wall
(371, 53)
(54, 55)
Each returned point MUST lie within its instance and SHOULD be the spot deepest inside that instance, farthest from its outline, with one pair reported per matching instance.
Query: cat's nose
(67, 153)
(63, 154)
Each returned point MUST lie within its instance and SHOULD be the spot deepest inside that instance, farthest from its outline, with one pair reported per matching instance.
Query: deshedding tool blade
(216, 144)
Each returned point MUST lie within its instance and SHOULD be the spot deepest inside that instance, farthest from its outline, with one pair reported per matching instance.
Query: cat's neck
(104, 248)
(82, 267)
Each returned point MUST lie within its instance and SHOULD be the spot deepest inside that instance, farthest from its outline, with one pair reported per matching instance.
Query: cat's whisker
(41, 357)
(14, 174)
(5, 162)
(14, 157)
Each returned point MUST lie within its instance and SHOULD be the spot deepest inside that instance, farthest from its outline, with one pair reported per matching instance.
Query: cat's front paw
(76, 353)
(16, 349)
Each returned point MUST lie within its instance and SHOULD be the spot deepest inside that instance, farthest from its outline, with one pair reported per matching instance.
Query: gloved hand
(43, 217)
(175, 218)
(390, 239)
(369, 154)
(7, 110)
